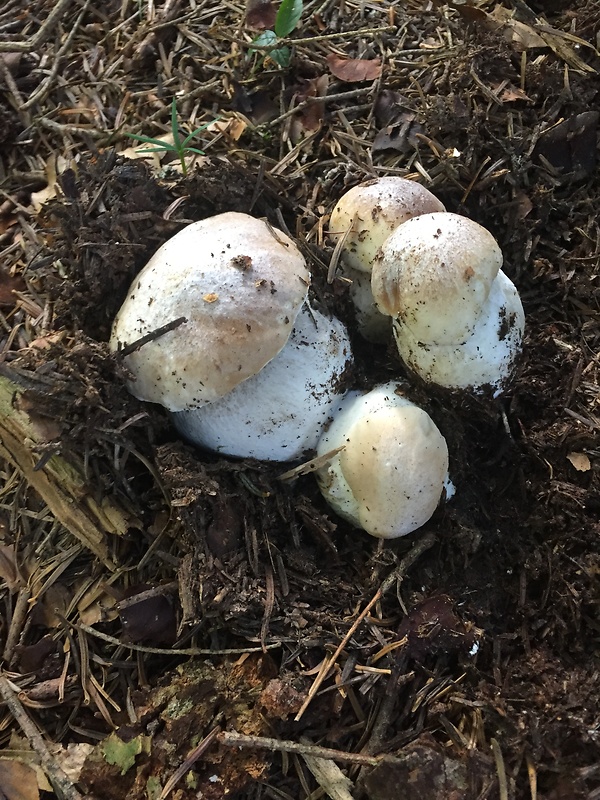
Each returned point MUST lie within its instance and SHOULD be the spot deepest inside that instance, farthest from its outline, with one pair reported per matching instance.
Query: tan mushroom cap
(371, 211)
(434, 274)
(240, 285)
(389, 477)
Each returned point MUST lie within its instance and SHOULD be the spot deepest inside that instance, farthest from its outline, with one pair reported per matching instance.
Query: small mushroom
(279, 413)
(366, 215)
(392, 468)
(458, 319)
(237, 283)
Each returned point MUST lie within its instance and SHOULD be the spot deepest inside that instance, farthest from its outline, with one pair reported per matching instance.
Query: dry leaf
(309, 119)
(8, 285)
(18, 781)
(353, 70)
(98, 604)
(148, 616)
(260, 14)
(512, 93)
(538, 34)
(233, 127)
(43, 427)
(580, 461)
(46, 342)
(71, 758)
(524, 206)
(9, 571)
(55, 166)
(402, 136)
(570, 145)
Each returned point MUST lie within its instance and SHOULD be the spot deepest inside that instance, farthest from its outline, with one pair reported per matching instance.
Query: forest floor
(162, 607)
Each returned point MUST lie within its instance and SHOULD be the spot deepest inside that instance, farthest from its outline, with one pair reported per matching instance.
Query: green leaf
(264, 39)
(194, 150)
(288, 16)
(195, 133)
(121, 754)
(164, 148)
(281, 56)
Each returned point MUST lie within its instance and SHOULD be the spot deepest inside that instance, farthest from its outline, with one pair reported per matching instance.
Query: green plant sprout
(179, 146)
(288, 16)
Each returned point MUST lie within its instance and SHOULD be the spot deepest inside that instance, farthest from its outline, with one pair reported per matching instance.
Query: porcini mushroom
(279, 413)
(365, 216)
(238, 284)
(392, 468)
(458, 319)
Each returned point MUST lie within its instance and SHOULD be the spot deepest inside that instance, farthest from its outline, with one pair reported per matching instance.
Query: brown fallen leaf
(9, 569)
(148, 615)
(511, 93)
(353, 70)
(401, 136)
(18, 781)
(570, 145)
(8, 285)
(260, 14)
(310, 119)
(580, 461)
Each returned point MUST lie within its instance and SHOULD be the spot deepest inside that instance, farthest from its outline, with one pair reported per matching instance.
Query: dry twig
(62, 785)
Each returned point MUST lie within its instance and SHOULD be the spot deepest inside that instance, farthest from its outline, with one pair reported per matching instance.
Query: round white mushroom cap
(389, 477)
(279, 414)
(434, 274)
(372, 210)
(239, 284)
(486, 359)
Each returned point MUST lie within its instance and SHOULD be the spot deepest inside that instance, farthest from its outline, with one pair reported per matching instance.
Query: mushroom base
(486, 359)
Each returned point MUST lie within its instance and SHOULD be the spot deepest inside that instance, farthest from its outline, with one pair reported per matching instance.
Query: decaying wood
(62, 487)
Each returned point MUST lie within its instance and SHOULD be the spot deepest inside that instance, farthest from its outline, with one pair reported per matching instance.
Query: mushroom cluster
(219, 330)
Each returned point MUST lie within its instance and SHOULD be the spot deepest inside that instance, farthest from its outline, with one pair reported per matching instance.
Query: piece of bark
(61, 486)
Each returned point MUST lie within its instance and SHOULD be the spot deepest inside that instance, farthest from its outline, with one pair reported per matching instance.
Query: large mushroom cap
(372, 210)
(434, 274)
(240, 285)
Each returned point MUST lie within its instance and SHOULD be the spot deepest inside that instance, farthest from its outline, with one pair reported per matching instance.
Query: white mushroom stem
(279, 414)
(486, 359)
(238, 283)
(372, 324)
(389, 477)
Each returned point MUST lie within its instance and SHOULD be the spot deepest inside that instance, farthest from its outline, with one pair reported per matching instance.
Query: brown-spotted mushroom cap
(372, 210)
(238, 282)
(434, 274)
